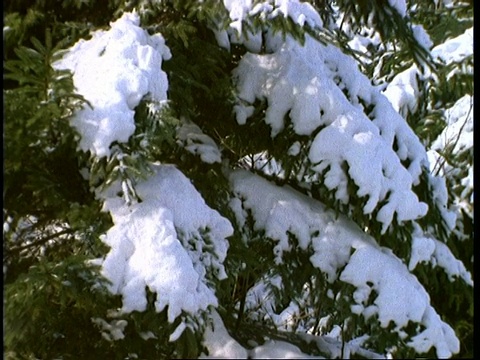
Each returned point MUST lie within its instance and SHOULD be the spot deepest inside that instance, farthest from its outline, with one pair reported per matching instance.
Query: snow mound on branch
(317, 88)
(427, 249)
(241, 12)
(171, 242)
(114, 70)
(275, 349)
(456, 49)
(403, 90)
(300, 13)
(196, 142)
(399, 5)
(400, 297)
(219, 343)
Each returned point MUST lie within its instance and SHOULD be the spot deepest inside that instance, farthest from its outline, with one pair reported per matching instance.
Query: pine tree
(230, 179)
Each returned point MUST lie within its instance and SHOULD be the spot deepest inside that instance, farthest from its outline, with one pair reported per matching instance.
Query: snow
(403, 91)
(275, 349)
(453, 267)
(456, 137)
(300, 13)
(338, 349)
(112, 331)
(114, 71)
(422, 36)
(459, 129)
(400, 296)
(361, 41)
(161, 243)
(308, 84)
(177, 332)
(456, 49)
(467, 182)
(399, 5)
(219, 343)
(238, 11)
(241, 12)
(196, 142)
(172, 243)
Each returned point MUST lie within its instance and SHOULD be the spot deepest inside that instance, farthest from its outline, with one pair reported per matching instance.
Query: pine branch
(17, 249)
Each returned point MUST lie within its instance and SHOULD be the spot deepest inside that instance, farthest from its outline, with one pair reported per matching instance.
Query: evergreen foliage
(58, 301)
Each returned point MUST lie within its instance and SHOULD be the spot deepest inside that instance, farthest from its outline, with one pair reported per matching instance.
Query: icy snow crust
(319, 87)
(401, 298)
(171, 242)
(114, 70)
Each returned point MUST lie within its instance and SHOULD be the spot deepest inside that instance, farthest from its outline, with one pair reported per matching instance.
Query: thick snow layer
(114, 70)
(196, 142)
(456, 49)
(319, 87)
(400, 297)
(171, 242)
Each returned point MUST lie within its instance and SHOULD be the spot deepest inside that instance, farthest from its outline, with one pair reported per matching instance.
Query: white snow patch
(403, 91)
(459, 129)
(400, 297)
(241, 12)
(219, 343)
(301, 13)
(112, 331)
(443, 257)
(196, 142)
(456, 49)
(399, 5)
(114, 70)
(160, 243)
(306, 83)
(275, 349)
(422, 36)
